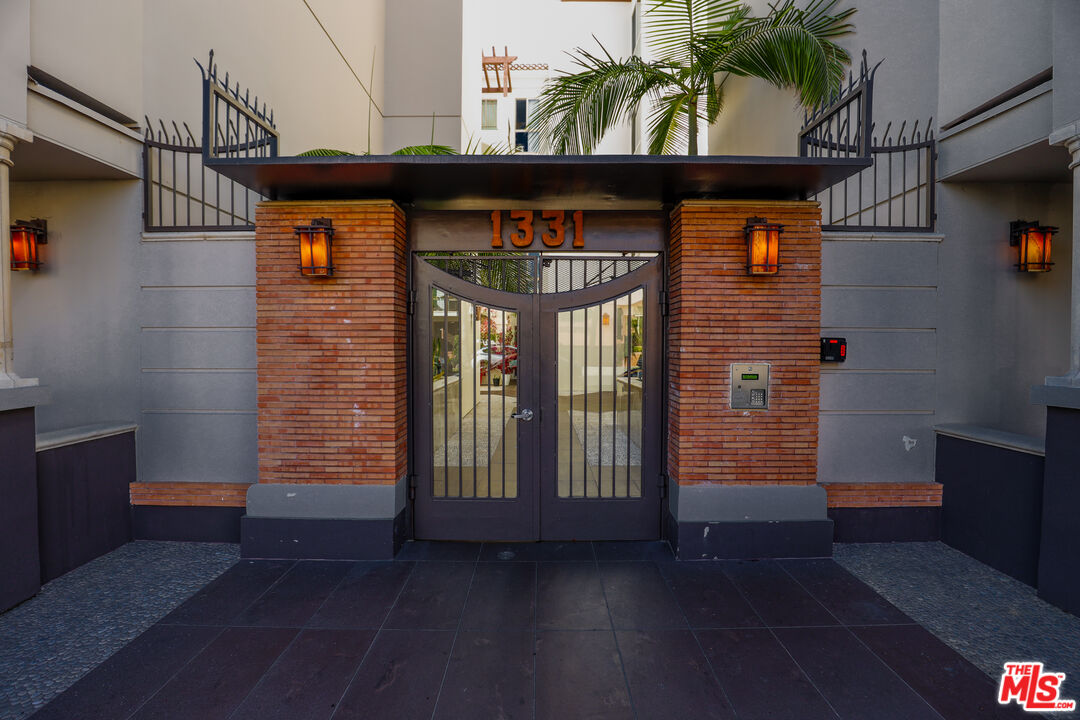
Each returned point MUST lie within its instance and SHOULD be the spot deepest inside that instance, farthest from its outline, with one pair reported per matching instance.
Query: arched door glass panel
(600, 387)
(474, 370)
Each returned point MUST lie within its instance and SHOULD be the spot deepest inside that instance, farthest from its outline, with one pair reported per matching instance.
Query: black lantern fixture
(26, 237)
(762, 246)
(1034, 241)
(316, 258)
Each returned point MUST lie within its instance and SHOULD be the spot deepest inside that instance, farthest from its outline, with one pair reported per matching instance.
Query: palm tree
(698, 43)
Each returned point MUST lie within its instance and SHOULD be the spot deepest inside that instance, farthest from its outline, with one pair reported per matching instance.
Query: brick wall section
(332, 351)
(871, 495)
(189, 494)
(719, 315)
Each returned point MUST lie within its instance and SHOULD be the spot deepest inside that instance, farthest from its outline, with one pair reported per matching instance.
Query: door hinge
(663, 303)
(662, 480)
(411, 305)
(412, 487)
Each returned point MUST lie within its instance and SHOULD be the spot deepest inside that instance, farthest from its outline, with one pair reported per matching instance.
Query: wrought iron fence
(181, 194)
(837, 127)
(896, 193)
(234, 126)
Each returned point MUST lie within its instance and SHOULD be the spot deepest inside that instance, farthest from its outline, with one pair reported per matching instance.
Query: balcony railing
(234, 125)
(896, 193)
(181, 194)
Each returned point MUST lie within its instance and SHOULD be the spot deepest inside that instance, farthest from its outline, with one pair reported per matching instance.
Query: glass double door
(536, 414)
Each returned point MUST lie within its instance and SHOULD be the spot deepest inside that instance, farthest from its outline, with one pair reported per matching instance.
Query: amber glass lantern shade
(1035, 243)
(26, 238)
(762, 246)
(316, 251)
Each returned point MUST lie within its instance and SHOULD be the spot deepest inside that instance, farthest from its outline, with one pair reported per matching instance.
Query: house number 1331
(553, 228)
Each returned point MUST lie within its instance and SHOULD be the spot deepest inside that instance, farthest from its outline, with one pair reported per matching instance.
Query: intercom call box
(749, 386)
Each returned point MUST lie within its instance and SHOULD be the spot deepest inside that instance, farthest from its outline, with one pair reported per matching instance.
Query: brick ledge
(884, 494)
(189, 494)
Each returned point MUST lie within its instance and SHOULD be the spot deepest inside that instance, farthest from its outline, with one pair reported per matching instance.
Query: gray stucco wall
(423, 73)
(904, 37)
(76, 319)
(878, 407)
(196, 344)
(14, 57)
(1000, 331)
(1066, 57)
(987, 47)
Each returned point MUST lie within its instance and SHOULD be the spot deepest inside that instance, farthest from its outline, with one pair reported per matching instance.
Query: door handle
(525, 415)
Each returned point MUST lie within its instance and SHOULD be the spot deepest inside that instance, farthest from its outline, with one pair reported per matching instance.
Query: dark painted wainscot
(83, 508)
(20, 575)
(992, 499)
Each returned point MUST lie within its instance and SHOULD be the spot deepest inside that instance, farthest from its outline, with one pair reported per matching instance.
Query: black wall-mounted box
(833, 349)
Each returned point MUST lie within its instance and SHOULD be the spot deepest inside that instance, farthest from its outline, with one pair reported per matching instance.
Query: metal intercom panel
(749, 386)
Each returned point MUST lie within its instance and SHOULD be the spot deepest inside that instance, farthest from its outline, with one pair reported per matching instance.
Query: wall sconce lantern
(1034, 241)
(316, 259)
(26, 236)
(762, 246)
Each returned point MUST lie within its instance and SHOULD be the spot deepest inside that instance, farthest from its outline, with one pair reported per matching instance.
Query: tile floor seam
(768, 627)
(280, 578)
(615, 636)
(811, 595)
(326, 599)
(860, 641)
(453, 643)
(701, 648)
(299, 632)
(374, 639)
(140, 706)
(266, 672)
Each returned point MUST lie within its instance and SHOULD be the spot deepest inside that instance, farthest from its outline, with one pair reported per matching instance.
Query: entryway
(562, 630)
(536, 390)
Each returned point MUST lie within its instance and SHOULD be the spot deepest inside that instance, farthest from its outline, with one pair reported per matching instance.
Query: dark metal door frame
(605, 518)
(480, 518)
(537, 513)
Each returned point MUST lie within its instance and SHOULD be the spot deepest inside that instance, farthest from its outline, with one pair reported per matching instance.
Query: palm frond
(324, 152)
(714, 97)
(669, 131)
(426, 150)
(475, 147)
(577, 109)
(671, 27)
(790, 48)
(699, 43)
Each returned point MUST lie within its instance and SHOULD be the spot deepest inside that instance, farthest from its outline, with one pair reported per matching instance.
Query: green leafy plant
(325, 152)
(473, 147)
(699, 44)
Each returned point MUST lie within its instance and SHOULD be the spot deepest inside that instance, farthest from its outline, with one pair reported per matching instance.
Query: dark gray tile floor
(571, 631)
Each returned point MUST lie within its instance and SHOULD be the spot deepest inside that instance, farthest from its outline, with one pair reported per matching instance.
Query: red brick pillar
(331, 366)
(721, 460)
